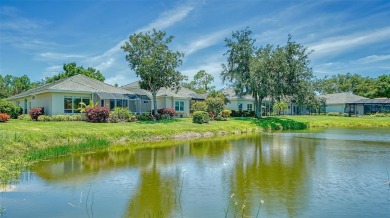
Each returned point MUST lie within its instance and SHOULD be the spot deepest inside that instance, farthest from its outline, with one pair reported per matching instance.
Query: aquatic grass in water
(64, 150)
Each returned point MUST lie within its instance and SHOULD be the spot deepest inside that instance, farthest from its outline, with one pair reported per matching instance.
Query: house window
(119, 103)
(179, 105)
(112, 104)
(249, 107)
(101, 103)
(72, 104)
(240, 107)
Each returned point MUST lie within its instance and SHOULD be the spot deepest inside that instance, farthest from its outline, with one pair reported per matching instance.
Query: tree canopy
(71, 69)
(151, 59)
(356, 84)
(12, 85)
(201, 83)
(274, 71)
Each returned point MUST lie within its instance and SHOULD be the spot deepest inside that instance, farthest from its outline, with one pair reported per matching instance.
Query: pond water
(312, 173)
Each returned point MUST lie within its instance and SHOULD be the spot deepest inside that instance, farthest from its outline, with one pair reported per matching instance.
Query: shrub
(167, 112)
(97, 114)
(120, 115)
(10, 109)
(219, 117)
(44, 118)
(4, 117)
(146, 117)
(333, 114)
(345, 114)
(199, 106)
(226, 113)
(24, 117)
(200, 117)
(36, 112)
(211, 115)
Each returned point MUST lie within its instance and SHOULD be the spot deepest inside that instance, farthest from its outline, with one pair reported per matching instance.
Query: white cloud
(340, 44)
(168, 18)
(205, 41)
(373, 58)
(60, 56)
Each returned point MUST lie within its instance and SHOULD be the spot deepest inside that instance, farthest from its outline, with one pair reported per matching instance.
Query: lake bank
(25, 141)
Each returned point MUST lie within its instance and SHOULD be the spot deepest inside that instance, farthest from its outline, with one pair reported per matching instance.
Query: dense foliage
(71, 69)
(200, 117)
(36, 112)
(166, 113)
(120, 114)
(12, 85)
(97, 114)
(199, 106)
(149, 56)
(201, 83)
(10, 109)
(4, 117)
(353, 83)
(277, 72)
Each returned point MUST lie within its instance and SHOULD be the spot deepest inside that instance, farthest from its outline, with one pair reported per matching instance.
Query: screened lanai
(368, 106)
(135, 103)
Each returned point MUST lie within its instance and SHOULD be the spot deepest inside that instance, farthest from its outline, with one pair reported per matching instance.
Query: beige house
(237, 103)
(168, 98)
(64, 96)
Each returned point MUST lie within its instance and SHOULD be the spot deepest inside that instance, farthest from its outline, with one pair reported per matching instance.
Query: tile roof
(341, 98)
(77, 83)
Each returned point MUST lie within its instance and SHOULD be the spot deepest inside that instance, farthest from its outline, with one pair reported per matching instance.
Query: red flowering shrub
(167, 112)
(4, 117)
(36, 112)
(211, 114)
(97, 114)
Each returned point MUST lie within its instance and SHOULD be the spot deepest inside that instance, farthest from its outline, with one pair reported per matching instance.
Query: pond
(311, 173)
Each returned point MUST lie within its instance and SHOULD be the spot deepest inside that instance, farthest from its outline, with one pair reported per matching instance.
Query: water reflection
(294, 173)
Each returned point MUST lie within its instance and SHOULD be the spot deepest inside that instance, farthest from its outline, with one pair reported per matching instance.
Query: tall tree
(12, 85)
(201, 83)
(149, 56)
(71, 69)
(239, 56)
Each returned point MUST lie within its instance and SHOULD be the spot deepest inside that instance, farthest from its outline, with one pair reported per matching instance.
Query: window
(179, 105)
(240, 107)
(249, 107)
(112, 104)
(119, 103)
(101, 103)
(72, 103)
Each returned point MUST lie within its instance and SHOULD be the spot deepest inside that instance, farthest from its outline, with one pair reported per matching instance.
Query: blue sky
(38, 37)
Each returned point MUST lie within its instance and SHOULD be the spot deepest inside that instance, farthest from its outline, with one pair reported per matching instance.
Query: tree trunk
(257, 108)
(260, 104)
(154, 94)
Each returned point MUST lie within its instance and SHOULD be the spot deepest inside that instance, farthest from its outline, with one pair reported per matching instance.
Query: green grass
(23, 142)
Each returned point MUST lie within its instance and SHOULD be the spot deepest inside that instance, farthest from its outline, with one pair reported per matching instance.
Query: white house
(337, 102)
(237, 103)
(64, 96)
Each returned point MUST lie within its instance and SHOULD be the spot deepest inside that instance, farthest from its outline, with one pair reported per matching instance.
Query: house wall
(335, 108)
(360, 109)
(233, 105)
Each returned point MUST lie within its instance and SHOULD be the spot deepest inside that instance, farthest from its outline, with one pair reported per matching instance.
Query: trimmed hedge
(200, 117)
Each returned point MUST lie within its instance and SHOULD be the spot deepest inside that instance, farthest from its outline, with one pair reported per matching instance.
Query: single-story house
(238, 103)
(168, 98)
(368, 106)
(64, 96)
(337, 102)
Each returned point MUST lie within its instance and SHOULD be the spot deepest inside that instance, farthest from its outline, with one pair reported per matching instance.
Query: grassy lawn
(24, 141)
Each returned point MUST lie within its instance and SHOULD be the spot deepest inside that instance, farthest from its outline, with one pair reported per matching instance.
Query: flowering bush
(36, 112)
(226, 113)
(9, 108)
(97, 114)
(166, 112)
(211, 115)
(4, 117)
